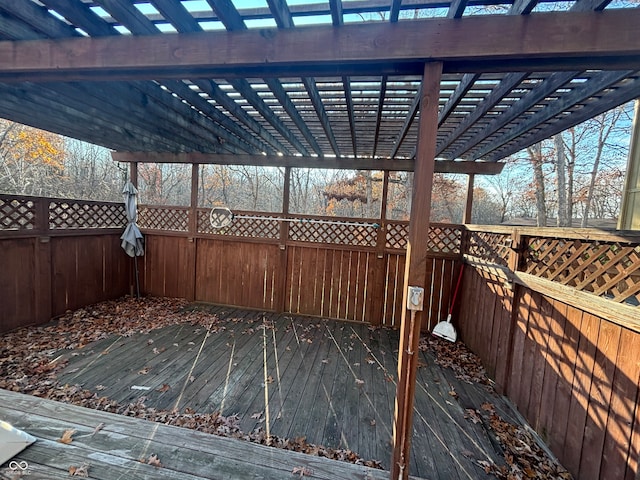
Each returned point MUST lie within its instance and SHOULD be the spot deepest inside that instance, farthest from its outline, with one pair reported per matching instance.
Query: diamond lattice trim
(493, 247)
(444, 239)
(164, 218)
(68, 214)
(17, 214)
(606, 269)
(333, 233)
(263, 227)
(397, 235)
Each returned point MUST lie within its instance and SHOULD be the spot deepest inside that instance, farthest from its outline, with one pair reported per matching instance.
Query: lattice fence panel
(263, 227)
(333, 233)
(164, 218)
(17, 214)
(397, 235)
(607, 269)
(493, 247)
(77, 214)
(444, 239)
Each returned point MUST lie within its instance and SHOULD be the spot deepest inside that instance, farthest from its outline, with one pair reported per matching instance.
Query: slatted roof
(490, 107)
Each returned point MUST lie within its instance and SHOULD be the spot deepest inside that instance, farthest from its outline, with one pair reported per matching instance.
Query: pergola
(425, 86)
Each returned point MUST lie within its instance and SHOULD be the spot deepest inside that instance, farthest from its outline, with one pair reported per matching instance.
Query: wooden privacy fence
(345, 268)
(58, 255)
(554, 314)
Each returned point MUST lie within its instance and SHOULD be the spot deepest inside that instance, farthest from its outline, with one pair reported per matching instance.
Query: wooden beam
(383, 93)
(398, 165)
(348, 96)
(316, 101)
(563, 37)
(408, 120)
(498, 93)
(541, 91)
(336, 12)
(580, 94)
(416, 269)
(458, 94)
(456, 9)
(281, 95)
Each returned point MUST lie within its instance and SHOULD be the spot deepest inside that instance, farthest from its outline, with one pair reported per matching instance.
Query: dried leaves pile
(31, 357)
(524, 458)
(465, 364)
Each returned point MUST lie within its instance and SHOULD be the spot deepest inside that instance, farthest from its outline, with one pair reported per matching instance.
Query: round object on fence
(220, 217)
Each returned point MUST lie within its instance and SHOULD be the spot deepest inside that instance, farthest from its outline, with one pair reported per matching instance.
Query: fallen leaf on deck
(73, 370)
(359, 382)
(301, 471)
(269, 379)
(373, 422)
(81, 471)
(326, 360)
(67, 436)
(370, 360)
(154, 460)
(144, 371)
(165, 387)
(471, 414)
(97, 429)
(453, 392)
(149, 342)
(100, 387)
(190, 343)
(256, 415)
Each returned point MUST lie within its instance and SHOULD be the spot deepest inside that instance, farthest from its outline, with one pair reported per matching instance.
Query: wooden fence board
(16, 283)
(623, 409)
(552, 364)
(515, 381)
(569, 352)
(599, 399)
(580, 392)
(540, 327)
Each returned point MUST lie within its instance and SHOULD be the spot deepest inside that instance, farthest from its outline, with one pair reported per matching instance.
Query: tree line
(565, 181)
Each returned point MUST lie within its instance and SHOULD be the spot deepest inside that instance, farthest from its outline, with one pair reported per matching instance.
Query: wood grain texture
(526, 37)
(44, 276)
(570, 373)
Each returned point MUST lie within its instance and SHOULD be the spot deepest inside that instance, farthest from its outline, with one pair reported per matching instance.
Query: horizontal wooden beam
(619, 313)
(398, 165)
(558, 38)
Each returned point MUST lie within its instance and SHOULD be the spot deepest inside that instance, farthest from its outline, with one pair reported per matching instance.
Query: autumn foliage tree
(31, 160)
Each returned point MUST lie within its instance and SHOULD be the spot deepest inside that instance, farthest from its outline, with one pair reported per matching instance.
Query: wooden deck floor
(115, 451)
(331, 382)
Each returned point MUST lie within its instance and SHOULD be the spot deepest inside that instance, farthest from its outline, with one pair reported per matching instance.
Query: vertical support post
(42, 259)
(192, 251)
(281, 295)
(193, 210)
(469, 204)
(378, 271)
(133, 173)
(415, 270)
(515, 261)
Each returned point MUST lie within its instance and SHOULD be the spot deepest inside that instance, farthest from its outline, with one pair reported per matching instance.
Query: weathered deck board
(115, 451)
(311, 370)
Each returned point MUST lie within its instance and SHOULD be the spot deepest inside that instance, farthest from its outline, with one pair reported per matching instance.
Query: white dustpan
(445, 329)
(12, 441)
